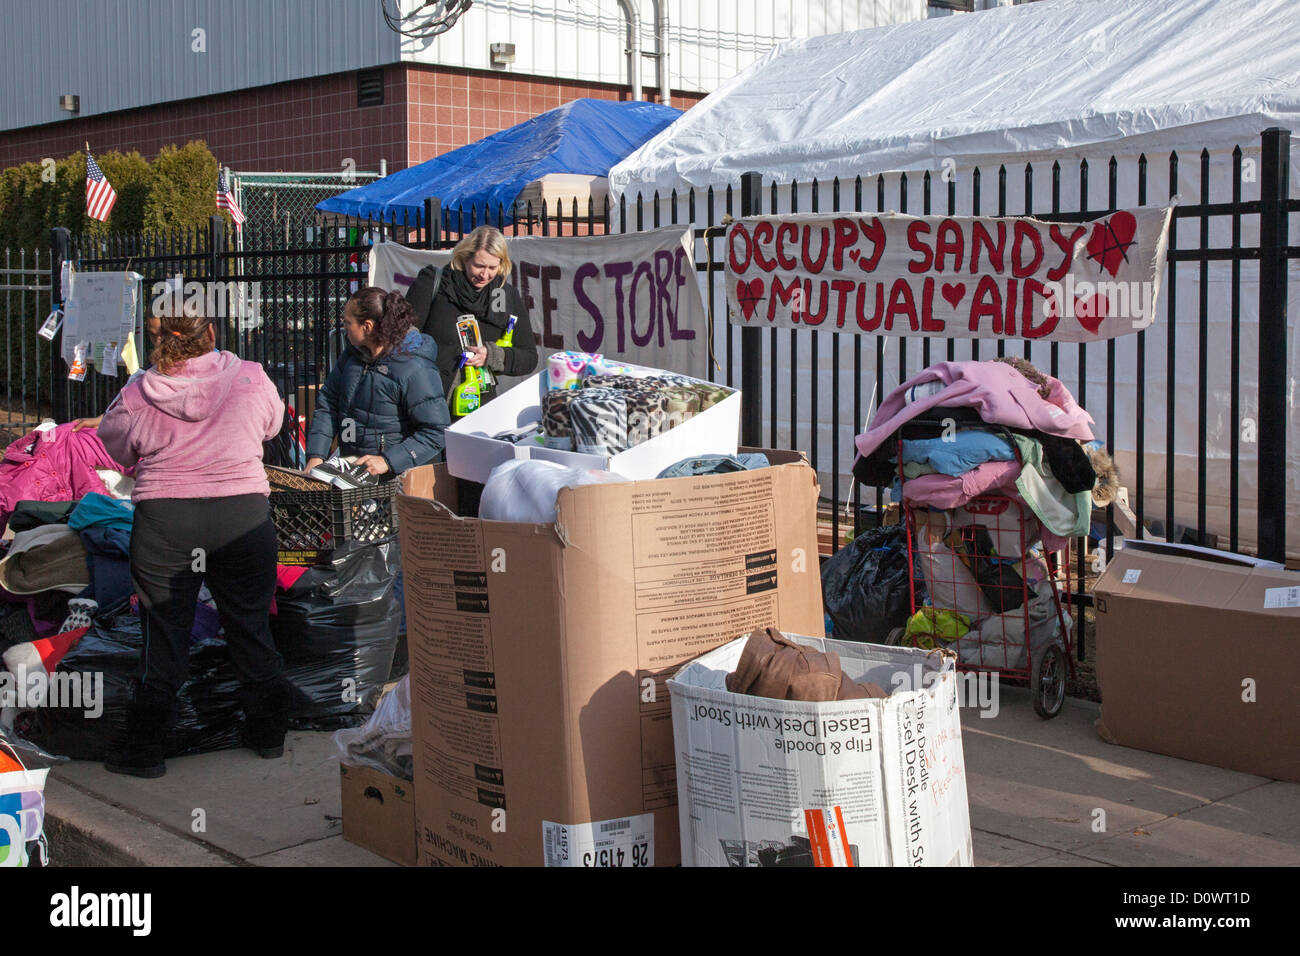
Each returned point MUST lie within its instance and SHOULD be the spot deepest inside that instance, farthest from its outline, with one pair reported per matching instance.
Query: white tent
(1060, 80)
(1055, 78)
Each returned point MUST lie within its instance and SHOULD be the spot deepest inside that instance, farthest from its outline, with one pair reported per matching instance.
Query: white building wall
(121, 54)
(709, 40)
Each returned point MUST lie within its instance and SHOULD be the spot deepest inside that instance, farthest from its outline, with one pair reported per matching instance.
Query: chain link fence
(287, 201)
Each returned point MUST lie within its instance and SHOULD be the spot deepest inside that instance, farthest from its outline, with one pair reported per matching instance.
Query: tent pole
(633, 14)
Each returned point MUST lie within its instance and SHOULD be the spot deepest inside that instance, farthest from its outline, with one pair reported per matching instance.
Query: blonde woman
(475, 284)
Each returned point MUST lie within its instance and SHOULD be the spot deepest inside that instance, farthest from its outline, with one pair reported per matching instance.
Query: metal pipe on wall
(629, 8)
(661, 52)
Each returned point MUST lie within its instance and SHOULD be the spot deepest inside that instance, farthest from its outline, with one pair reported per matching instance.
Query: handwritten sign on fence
(948, 276)
(633, 296)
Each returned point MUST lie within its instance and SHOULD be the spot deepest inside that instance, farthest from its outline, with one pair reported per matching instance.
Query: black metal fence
(280, 290)
(813, 390)
(28, 371)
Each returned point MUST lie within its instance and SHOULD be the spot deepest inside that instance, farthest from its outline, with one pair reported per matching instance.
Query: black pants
(177, 544)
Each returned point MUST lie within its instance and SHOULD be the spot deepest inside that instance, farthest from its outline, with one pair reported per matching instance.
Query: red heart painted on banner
(1091, 312)
(749, 295)
(1110, 240)
(954, 292)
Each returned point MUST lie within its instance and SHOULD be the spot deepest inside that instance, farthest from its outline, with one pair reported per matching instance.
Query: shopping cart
(991, 588)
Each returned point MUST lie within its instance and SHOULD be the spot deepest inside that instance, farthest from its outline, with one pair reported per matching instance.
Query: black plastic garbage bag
(337, 628)
(864, 586)
(208, 711)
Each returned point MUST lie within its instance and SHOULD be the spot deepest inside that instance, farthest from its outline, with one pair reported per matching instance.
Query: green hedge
(177, 190)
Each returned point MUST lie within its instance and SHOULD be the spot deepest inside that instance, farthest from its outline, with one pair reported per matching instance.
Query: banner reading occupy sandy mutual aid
(632, 296)
(948, 276)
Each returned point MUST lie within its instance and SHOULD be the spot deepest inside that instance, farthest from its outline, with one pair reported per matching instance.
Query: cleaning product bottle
(468, 395)
(506, 341)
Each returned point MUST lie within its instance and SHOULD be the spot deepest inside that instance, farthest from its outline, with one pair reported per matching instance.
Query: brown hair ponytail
(180, 339)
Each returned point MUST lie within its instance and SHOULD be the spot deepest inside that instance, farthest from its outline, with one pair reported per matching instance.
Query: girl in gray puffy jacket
(384, 399)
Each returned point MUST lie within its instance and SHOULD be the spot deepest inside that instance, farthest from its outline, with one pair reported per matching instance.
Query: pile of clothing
(66, 515)
(595, 408)
(67, 604)
(943, 441)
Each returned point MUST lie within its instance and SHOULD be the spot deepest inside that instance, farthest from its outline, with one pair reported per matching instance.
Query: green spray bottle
(506, 341)
(468, 395)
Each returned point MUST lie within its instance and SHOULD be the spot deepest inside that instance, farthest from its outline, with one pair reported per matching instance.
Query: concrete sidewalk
(1036, 787)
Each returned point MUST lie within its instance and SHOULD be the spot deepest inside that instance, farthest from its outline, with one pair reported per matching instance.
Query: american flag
(225, 200)
(99, 194)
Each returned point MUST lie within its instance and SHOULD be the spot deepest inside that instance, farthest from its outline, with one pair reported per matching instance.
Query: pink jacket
(946, 492)
(60, 466)
(997, 392)
(198, 433)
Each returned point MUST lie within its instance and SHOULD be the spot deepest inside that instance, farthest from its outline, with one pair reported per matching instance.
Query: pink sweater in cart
(997, 391)
(198, 433)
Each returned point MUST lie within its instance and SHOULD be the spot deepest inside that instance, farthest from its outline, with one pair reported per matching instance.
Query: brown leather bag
(774, 666)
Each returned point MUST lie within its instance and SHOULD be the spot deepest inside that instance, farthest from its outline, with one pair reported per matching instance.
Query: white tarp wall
(1049, 82)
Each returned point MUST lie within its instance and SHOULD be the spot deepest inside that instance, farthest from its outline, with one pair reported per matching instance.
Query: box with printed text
(542, 730)
(874, 782)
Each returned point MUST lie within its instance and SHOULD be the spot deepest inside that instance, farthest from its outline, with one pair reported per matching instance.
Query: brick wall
(302, 126)
(449, 108)
(314, 125)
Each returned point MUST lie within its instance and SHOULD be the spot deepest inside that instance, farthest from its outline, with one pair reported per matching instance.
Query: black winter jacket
(436, 315)
(395, 404)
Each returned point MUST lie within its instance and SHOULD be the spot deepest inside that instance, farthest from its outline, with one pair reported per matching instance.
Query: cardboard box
(379, 813)
(766, 782)
(472, 453)
(1198, 656)
(542, 726)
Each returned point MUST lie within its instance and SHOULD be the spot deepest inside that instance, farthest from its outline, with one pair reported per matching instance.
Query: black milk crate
(309, 524)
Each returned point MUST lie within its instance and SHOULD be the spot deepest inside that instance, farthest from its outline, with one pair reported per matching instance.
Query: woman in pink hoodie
(193, 427)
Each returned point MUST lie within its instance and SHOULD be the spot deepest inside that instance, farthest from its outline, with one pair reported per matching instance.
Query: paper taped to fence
(949, 276)
(632, 296)
(103, 307)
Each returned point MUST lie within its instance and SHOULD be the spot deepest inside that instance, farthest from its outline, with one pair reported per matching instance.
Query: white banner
(633, 296)
(949, 276)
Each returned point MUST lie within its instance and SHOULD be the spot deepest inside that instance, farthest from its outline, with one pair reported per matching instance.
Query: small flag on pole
(100, 196)
(226, 201)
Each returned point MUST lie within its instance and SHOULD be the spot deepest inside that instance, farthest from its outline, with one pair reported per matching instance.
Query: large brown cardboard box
(1198, 656)
(378, 813)
(541, 720)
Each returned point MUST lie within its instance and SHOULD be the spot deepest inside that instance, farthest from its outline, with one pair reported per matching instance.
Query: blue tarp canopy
(586, 137)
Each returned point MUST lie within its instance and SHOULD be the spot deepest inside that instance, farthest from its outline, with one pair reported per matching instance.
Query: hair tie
(177, 334)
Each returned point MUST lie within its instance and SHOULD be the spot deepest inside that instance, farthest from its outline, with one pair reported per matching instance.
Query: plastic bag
(384, 740)
(22, 810)
(337, 629)
(525, 490)
(999, 640)
(107, 660)
(865, 586)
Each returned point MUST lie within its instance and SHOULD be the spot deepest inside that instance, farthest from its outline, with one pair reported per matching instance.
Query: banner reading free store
(632, 296)
(949, 276)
